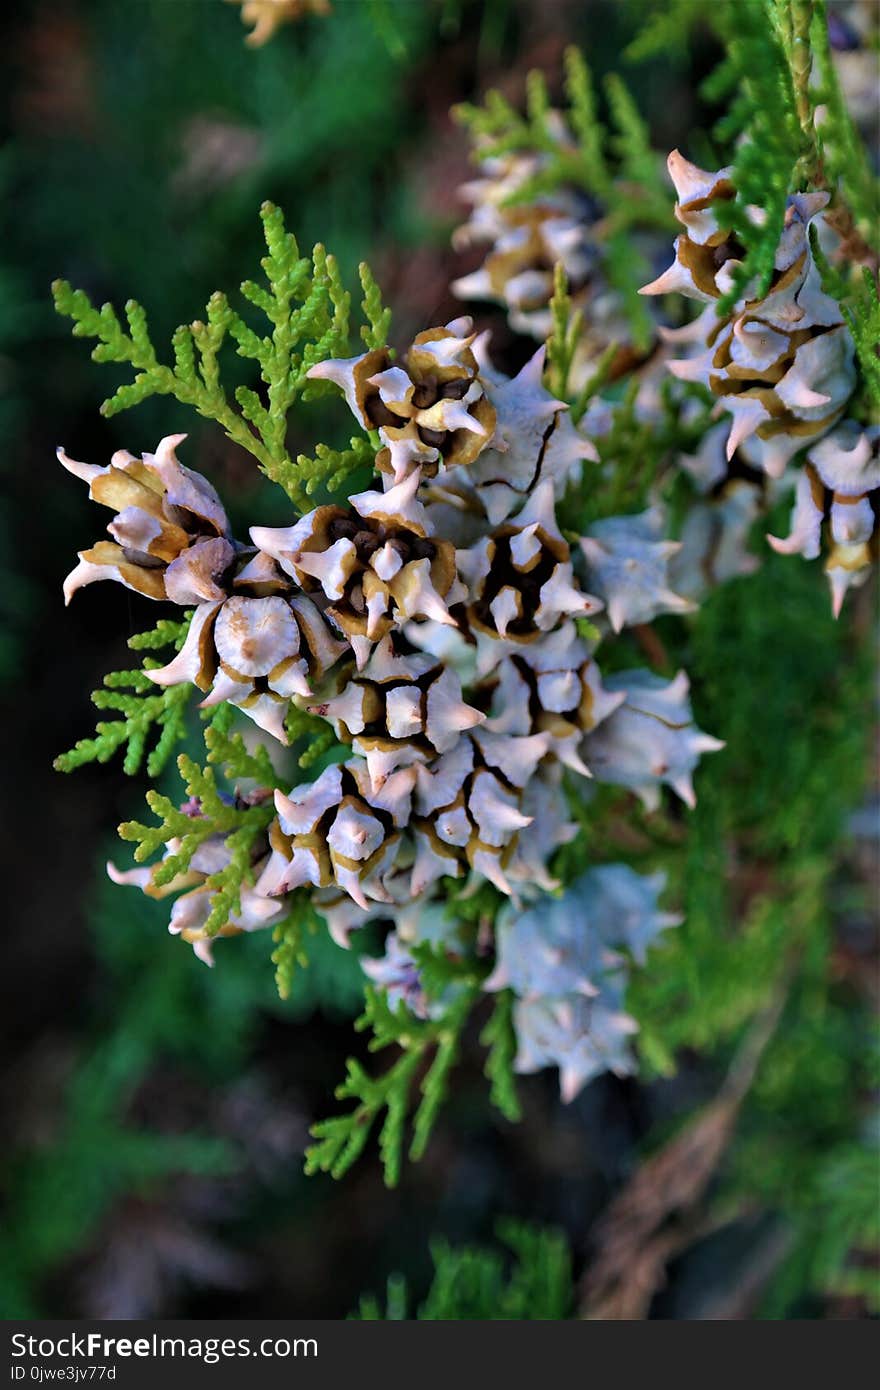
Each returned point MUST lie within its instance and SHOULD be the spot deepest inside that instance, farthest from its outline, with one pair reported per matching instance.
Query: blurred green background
(155, 1113)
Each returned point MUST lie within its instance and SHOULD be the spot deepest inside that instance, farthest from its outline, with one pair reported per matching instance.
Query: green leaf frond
(376, 330)
(396, 1301)
(762, 122)
(665, 30)
(312, 737)
(145, 712)
(499, 129)
(429, 1047)
(844, 155)
(856, 290)
(308, 311)
(290, 936)
(326, 472)
(639, 197)
(532, 1281)
(776, 75)
(863, 317)
(584, 119)
(387, 27)
(595, 382)
(228, 752)
(240, 824)
(564, 335)
(614, 163)
(499, 1037)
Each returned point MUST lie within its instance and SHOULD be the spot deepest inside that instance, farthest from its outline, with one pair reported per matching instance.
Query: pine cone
(628, 566)
(469, 805)
(715, 538)
(552, 687)
(528, 232)
(520, 580)
(171, 539)
(650, 739)
(191, 909)
(782, 365)
(582, 1037)
(375, 561)
(430, 408)
(402, 710)
(526, 240)
(561, 959)
(338, 831)
(732, 494)
(839, 488)
(255, 652)
(534, 442)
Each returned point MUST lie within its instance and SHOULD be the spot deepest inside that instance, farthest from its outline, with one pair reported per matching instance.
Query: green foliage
(754, 875)
(863, 316)
(762, 123)
(289, 935)
(534, 1283)
(498, 1036)
(562, 346)
(839, 1229)
(635, 455)
(145, 710)
(667, 25)
(429, 1050)
(147, 1008)
(308, 311)
(775, 797)
(844, 156)
(383, 16)
(312, 735)
(329, 468)
(241, 821)
(499, 129)
(802, 1155)
(241, 825)
(227, 751)
(613, 164)
(564, 335)
(342, 1139)
(370, 1309)
(779, 148)
(641, 198)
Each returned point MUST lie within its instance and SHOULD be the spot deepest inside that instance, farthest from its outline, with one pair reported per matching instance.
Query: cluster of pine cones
(779, 365)
(447, 629)
(435, 623)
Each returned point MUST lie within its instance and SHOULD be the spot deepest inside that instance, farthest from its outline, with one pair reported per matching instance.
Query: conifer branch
(240, 824)
(863, 316)
(289, 936)
(342, 1139)
(563, 340)
(499, 1037)
(534, 1282)
(755, 77)
(308, 311)
(843, 153)
(144, 711)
